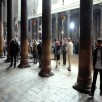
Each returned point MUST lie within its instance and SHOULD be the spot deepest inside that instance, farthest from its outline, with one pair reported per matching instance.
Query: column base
(27, 65)
(45, 74)
(81, 88)
(2, 56)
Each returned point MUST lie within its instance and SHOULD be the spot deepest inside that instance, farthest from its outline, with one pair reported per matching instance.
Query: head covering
(69, 39)
(99, 40)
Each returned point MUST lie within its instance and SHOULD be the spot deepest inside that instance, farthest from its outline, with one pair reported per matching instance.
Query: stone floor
(25, 85)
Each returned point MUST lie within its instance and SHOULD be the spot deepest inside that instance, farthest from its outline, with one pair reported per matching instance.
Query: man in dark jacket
(39, 48)
(97, 67)
(14, 49)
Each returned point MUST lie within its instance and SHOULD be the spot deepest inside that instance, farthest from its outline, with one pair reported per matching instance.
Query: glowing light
(72, 26)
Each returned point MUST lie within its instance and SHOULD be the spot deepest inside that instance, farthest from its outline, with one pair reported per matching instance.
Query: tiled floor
(25, 85)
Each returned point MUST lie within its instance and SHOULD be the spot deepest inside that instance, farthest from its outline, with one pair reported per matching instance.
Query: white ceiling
(57, 6)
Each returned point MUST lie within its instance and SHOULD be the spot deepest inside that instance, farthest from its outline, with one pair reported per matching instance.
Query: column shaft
(33, 26)
(46, 40)
(24, 36)
(1, 29)
(85, 54)
(68, 25)
(101, 21)
(37, 29)
(31, 29)
(56, 26)
(9, 27)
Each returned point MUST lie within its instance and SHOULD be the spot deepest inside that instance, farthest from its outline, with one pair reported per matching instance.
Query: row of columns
(68, 32)
(74, 33)
(84, 72)
(65, 26)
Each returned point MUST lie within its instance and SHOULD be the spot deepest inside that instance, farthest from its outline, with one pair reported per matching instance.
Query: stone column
(30, 29)
(56, 26)
(24, 36)
(101, 21)
(9, 27)
(1, 29)
(68, 24)
(33, 26)
(34, 29)
(46, 40)
(53, 27)
(84, 73)
(37, 29)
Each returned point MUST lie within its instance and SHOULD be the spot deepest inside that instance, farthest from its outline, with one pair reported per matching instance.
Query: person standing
(4, 47)
(14, 49)
(69, 52)
(97, 66)
(64, 49)
(39, 49)
(35, 51)
(18, 46)
(57, 54)
(54, 48)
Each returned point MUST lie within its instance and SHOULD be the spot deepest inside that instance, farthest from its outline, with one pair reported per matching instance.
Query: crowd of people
(66, 48)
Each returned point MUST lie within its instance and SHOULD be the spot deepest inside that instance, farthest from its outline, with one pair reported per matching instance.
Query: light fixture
(72, 26)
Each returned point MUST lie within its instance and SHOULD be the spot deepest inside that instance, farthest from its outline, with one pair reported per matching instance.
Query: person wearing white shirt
(69, 52)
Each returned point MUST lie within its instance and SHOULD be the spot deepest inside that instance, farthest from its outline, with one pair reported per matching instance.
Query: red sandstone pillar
(101, 21)
(68, 25)
(56, 26)
(1, 29)
(84, 75)
(24, 36)
(37, 29)
(46, 40)
(9, 27)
